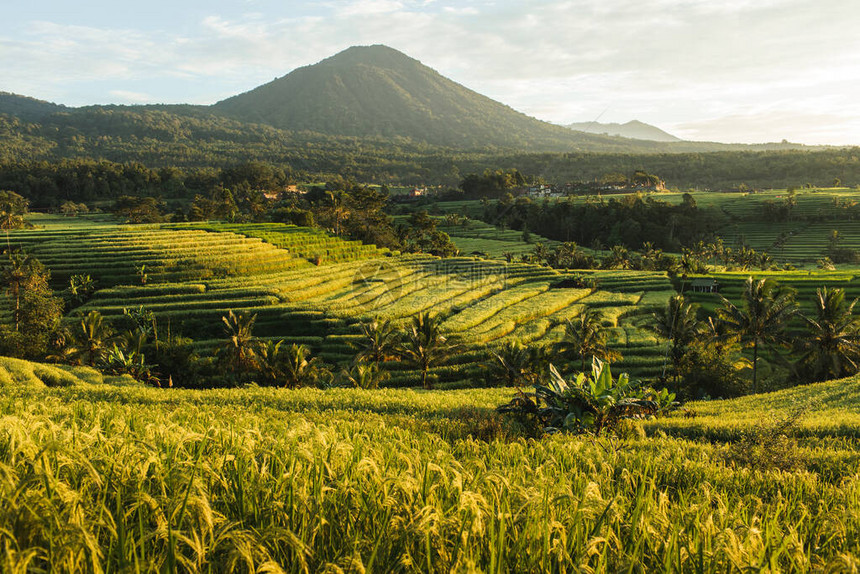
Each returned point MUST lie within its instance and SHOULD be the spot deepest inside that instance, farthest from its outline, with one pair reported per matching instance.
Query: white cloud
(464, 11)
(683, 64)
(127, 97)
(375, 7)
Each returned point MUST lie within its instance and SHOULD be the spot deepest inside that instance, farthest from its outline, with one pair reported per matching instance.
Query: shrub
(770, 444)
(588, 403)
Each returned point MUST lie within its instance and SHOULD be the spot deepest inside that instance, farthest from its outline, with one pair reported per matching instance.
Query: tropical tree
(584, 337)
(81, 288)
(424, 344)
(12, 210)
(517, 365)
(678, 324)
(91, 339)
(378, 342)
(588, 403)
(832, 348)
(300, 369)
(238, 351)
(336, 209)
(619, 258)
(765, 310)
(270, 357)
(365, 376)
(35, 310)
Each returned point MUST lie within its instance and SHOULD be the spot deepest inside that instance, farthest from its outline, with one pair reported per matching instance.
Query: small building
(705, 285)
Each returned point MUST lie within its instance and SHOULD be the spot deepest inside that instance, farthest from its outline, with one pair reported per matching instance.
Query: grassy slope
(142, 478)
(195, 276)
(829, 408)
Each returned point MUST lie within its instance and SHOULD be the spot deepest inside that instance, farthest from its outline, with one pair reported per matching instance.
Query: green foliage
(35, 310)
(424, 343)
(301, 369)
(584, 337)
(139, 209)
(831, 348)
(765, 310)
(13, 207)
(237, 352)
(378, 343)
(679, 325)
(593, 403)
(364, 376)
(81, 288)
(516, 365)
(90, 340)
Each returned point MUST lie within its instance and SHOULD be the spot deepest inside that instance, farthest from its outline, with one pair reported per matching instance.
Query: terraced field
(795, 242)
(475, 236)
(195, 276)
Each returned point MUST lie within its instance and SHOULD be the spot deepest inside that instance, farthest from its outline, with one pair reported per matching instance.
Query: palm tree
(337, 209)
(424, 344)
(378, 343)
(300, 369)
(365, 376)
(584, 338)
(619, 258)
(517, 365)
(541, 252)
(270, 358)
(238, 350)
(832, 349)
(678, 324)
(91, 340)
(765, 309)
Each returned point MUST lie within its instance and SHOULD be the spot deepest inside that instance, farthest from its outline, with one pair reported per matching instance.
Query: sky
(745, 71)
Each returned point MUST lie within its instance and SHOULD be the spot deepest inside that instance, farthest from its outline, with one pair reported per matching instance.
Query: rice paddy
(100, 474)
(304, 285)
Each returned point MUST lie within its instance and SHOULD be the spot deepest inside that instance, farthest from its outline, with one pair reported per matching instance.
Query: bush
(588, 403)
(770, 444)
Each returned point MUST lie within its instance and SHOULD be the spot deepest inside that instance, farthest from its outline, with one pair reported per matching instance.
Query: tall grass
(98, 478)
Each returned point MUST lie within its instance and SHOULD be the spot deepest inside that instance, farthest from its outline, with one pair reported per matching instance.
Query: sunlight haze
(738, 71)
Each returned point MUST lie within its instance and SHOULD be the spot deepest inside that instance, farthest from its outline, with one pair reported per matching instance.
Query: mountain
(26, 108)
(634, 130)
(376, 91)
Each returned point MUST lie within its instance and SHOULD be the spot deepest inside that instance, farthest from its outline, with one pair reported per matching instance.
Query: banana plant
(588, 403)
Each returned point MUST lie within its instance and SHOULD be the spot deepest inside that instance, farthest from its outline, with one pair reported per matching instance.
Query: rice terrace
(364, 319)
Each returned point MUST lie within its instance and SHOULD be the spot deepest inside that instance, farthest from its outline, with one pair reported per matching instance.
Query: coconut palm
(424, 344)
(300, 369)
(91, 336)
(270, 358)
(584, 337)
(619, 258)
(516, 364)
(832, 349)
(237, 351)
(766, 308)
(678, 324)
(378, 342)
(365, 376)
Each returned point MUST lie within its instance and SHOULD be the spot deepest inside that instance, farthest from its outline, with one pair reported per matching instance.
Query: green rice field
(100, 474)
(305, 286)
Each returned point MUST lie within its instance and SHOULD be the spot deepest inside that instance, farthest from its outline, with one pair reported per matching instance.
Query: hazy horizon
(741, 71)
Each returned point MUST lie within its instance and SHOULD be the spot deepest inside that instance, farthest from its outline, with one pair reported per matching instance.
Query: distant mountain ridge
(376, 91)
(633, 129)
(27, 108)
(373, 95)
